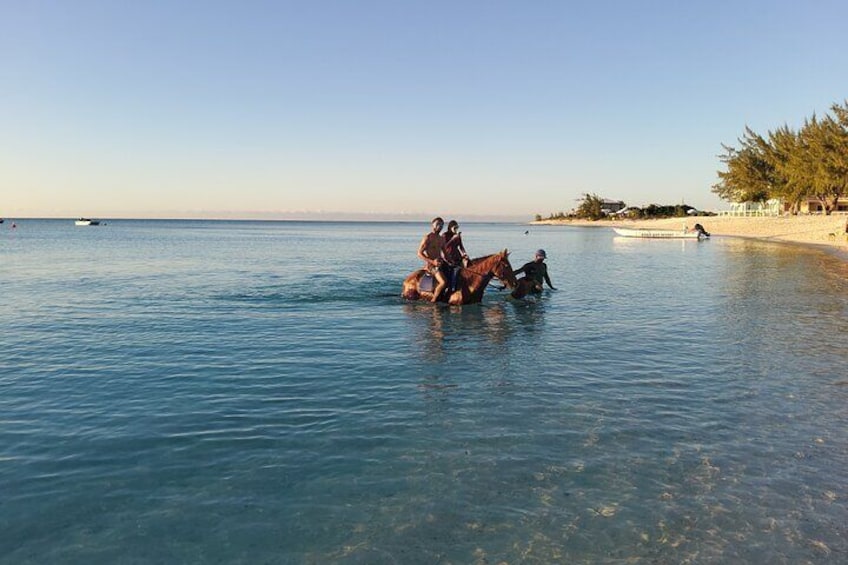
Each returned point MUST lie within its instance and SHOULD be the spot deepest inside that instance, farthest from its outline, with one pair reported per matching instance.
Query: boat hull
(657, 234)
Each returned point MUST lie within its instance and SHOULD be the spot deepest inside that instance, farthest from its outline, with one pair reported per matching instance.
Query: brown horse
(471, 281)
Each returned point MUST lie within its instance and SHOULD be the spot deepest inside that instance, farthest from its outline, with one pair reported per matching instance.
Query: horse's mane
(478, 260)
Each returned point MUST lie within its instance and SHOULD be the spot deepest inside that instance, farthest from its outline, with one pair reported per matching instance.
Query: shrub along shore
(829, 231)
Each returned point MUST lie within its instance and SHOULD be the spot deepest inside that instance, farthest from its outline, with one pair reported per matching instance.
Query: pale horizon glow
(378, 109)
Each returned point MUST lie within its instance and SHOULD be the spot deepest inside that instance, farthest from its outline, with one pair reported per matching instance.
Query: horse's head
(503, 270)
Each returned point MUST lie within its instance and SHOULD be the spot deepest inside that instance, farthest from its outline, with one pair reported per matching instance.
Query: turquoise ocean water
(257, 392)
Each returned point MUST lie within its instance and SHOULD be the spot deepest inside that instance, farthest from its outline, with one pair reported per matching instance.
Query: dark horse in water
(471, 280)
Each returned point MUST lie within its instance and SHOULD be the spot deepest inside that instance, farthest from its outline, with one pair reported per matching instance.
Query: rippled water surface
(257, 392)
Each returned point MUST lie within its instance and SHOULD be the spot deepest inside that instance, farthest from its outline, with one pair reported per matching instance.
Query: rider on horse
(476, 273)
(454, 252)
(430, 251)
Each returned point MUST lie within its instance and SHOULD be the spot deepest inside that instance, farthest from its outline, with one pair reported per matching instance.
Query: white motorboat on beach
(659, 234)
(86, 222)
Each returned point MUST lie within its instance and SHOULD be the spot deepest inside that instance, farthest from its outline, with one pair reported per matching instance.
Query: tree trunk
(829, 202)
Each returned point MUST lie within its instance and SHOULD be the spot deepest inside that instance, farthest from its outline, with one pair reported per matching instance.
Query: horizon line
(279, 216)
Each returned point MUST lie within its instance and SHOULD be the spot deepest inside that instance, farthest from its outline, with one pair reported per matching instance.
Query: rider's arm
(422, 251)
(424, 255)
(461, 247)
(548, 280)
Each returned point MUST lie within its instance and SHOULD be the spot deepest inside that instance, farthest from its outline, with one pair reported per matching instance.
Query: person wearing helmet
(535, 273)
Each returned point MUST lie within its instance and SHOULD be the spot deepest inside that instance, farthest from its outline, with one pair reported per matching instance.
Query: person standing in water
(535, 273)
(430, 251)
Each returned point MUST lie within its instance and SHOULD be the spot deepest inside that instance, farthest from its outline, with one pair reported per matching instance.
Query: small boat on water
(86, 222)
(660, 234)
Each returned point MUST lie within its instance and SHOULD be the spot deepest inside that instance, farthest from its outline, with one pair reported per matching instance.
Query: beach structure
(609, 206)
(778, 207)
(772, 207)
(814, 206)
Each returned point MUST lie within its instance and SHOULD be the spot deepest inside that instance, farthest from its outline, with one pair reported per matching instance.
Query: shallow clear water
(258, 392)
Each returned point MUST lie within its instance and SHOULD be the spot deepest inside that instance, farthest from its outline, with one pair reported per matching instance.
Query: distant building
(773, 207)
(814, 206)
(777, 207)
(611, 206)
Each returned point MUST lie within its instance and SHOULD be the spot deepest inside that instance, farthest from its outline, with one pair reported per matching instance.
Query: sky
(395, 109)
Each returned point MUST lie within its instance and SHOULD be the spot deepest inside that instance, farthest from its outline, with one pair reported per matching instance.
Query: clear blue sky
(465, 109)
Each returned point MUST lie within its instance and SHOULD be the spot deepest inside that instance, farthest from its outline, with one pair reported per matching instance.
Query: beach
(829, 231)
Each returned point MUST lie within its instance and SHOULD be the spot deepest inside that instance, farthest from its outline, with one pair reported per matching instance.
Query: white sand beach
(821, 230)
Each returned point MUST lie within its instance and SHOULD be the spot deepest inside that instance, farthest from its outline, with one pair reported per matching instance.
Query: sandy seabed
(830, 231)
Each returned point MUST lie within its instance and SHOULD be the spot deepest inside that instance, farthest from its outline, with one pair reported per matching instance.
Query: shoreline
(824, 232)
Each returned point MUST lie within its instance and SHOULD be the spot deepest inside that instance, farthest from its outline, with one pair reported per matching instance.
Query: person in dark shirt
(454, 252)
(535, 273)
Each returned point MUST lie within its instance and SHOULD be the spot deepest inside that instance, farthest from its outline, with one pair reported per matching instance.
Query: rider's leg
(441, 283)
(454, 283)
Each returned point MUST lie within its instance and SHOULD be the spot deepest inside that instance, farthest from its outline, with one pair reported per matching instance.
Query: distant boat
(86, 222)
(2, 220)
(659, 234)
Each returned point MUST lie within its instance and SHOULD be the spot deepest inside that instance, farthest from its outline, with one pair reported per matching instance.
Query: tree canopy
(591, 208)
(794, 165)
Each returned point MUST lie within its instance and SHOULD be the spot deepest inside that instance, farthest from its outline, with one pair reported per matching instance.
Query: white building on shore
(777, 207)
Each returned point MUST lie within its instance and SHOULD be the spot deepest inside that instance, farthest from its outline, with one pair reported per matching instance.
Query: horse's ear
(505, 252)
